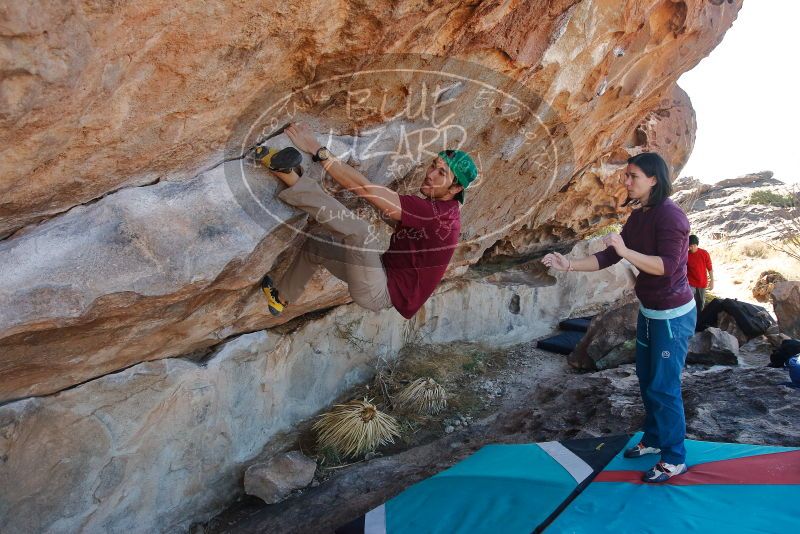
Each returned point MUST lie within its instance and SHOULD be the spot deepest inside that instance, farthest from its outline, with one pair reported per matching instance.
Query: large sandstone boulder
(131, 241)
(607, 331)
(120, 95)
(786, 302)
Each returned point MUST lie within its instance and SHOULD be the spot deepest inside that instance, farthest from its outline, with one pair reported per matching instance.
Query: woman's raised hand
(615, 240)
(556, 261)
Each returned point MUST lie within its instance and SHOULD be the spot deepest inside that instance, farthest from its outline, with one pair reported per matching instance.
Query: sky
(746, 95)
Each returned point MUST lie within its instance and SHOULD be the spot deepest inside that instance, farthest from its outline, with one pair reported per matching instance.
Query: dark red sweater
(660, 231)
(419, 251)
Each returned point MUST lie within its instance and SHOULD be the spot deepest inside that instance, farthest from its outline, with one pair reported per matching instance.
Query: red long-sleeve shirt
(420, 250)
(697, 267)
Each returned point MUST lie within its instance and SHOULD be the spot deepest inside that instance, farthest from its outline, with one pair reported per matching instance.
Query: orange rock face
(123, 245)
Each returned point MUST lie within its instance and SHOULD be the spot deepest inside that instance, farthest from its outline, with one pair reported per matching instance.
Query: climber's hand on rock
(615, 240)
(556, 261)
(302, 137)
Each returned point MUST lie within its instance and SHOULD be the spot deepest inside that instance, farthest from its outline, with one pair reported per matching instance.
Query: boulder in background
(713, 346)
(608, 330)
(786, 302)
(763, 287)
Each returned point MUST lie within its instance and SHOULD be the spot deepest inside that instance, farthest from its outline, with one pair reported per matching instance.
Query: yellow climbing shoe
(263, 155)
(284, 160)
(274, 302)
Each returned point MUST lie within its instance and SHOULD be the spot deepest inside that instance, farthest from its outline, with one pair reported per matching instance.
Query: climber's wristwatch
(321, 155)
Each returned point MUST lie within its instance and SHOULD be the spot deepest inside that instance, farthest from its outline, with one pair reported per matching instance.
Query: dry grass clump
(732, 252)
(417, 405)
(755, 250)
(424, 396)
(355, 428)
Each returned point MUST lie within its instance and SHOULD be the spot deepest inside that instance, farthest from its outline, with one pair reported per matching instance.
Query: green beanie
(462, 167)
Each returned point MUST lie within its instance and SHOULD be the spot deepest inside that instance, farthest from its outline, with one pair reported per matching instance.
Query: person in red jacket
(698, 264)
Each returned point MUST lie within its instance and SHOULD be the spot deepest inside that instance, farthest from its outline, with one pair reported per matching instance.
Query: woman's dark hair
(654, 166)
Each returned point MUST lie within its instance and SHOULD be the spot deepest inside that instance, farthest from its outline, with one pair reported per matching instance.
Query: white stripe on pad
(375, 521)
(568, 460)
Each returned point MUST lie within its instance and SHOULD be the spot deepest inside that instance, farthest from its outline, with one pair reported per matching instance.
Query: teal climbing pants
(661, 347)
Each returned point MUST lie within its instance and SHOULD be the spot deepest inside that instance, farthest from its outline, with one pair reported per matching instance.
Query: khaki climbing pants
(345, 253)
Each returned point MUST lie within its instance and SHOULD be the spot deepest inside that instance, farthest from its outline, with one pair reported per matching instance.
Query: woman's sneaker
(662, 471)
(640, 449)
(274, 302)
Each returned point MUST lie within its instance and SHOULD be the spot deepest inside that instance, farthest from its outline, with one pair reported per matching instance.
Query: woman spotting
(655, 239)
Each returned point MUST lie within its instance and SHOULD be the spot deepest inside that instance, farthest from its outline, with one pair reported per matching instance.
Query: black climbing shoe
(284, 160)
(274, 302)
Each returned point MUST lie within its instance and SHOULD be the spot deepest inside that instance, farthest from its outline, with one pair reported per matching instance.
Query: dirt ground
(482, 384)
(520, 395)
(738, 264)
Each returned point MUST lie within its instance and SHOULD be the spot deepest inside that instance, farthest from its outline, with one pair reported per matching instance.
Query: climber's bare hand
(302, 137)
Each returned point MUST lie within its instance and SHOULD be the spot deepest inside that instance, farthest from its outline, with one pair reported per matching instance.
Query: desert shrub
(788, 240)
(789, 243)
(755, 249)
(770, 198)
(355, 428)
(605, 230)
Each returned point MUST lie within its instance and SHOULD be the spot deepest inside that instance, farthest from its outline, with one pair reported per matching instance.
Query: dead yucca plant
(354, 428)
(424, 396)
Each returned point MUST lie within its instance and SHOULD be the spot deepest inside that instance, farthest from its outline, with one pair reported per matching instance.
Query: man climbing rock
(698, 264)
(424, 238)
